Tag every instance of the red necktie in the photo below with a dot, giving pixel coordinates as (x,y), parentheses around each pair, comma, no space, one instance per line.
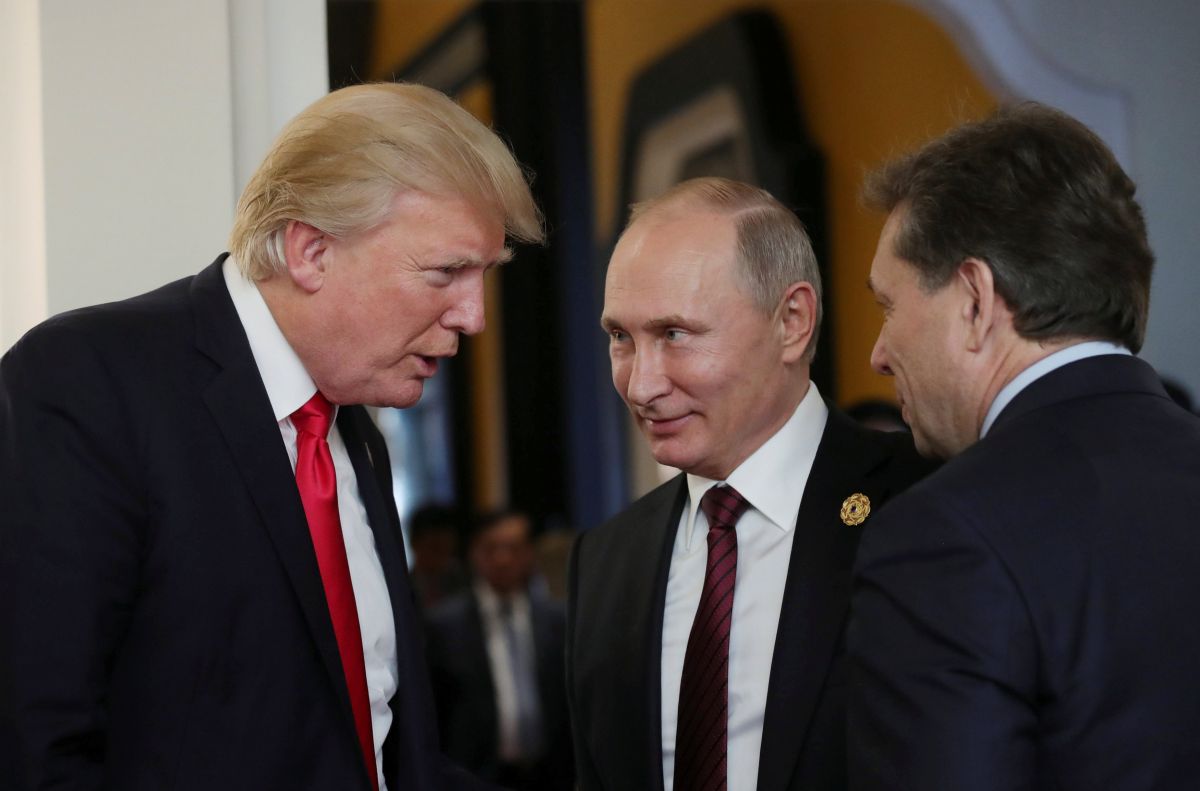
(701,737)
(317,482)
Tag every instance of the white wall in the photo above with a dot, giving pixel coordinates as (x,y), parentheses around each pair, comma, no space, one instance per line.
(138,152)
(152,115)
(1150,51)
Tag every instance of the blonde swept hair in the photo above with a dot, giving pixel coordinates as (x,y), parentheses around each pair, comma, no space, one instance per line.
(340,162)
(773,247)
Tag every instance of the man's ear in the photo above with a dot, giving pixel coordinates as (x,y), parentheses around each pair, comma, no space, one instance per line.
(982,307)
(305,249)
(797,320)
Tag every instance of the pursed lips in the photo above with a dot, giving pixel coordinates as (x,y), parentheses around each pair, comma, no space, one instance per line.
(658,424)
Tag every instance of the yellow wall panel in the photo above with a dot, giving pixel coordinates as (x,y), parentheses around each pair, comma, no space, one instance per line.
(405,27)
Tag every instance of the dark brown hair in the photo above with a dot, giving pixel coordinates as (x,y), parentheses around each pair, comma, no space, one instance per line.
(1042,200)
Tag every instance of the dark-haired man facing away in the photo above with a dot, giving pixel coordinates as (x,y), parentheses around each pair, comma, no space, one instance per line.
(1026,618)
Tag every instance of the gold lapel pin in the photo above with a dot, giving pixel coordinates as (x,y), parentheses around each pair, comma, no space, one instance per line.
(856,508)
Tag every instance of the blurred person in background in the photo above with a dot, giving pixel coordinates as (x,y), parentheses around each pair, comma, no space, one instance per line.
(437,572)
(496,659)
(552,554)
(878,414)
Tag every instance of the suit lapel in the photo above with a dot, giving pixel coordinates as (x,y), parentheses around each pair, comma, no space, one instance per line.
(816,595)
(372,471)
(237,400)
(381,516)
(640,634)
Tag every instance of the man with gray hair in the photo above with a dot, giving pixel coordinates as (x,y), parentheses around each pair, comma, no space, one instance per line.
(203,583)
(705,622)
(1026,617)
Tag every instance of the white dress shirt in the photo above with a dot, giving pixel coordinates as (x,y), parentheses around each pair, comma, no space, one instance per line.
(504,680)
(1051,362)
(289,387)
(772,479)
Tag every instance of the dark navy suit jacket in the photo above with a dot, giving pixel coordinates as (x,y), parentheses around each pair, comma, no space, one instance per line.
(1029,617)
(162,620)
(618,584)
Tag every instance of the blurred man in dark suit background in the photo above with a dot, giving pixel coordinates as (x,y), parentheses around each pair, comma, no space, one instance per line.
(496,658)
(1026,617)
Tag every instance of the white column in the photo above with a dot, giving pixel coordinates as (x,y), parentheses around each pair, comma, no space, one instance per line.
(22,218)
(134,125)
(280,66)
(139,162)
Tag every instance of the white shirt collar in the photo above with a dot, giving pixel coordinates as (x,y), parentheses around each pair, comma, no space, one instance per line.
(1058,359)
(287,382)
(491,603)
(768,478)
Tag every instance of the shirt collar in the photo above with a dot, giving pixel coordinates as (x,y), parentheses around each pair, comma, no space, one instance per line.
(491,603)
(1050,362)
(768,477)
(287,382)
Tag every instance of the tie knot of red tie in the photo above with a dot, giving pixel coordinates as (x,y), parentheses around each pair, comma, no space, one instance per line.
(315,416)
(723,505)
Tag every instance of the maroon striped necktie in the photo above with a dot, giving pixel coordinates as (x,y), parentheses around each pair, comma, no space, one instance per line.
(701,730)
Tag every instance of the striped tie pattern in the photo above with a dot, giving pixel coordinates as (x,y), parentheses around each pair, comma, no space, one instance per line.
(700,736)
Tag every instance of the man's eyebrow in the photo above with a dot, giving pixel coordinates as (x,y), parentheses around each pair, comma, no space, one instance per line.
(663,322)
(674,320)
(465,263)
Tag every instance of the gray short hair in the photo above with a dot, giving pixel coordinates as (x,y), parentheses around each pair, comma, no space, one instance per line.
(773,247)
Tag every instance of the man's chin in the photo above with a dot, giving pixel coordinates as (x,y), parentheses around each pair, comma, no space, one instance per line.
(669,454)
(410,395)
(407,394)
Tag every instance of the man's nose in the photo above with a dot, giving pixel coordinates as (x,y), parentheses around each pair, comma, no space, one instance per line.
(466,314)
(879,360)
(647,379)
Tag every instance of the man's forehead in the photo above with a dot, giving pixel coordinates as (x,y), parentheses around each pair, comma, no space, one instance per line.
(673,249)
(891,229)
(885,270)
